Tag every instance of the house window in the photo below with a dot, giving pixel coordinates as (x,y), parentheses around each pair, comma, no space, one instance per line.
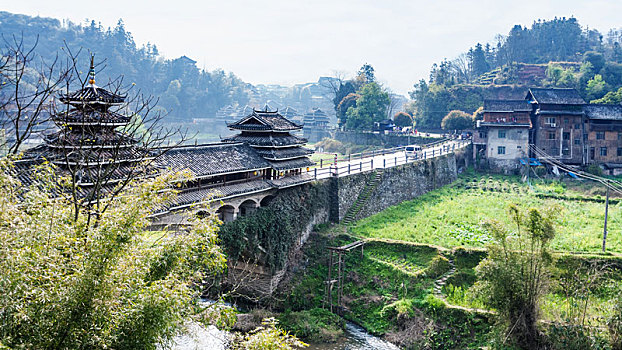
(565,152)
(566,121)
(603,151)
(600,135)
(592,152)
(501,150)
(519,147)
(566,136)
(619,152)
(577,142)
(551,136)
(501,134)
(550,121)
(577,126)
(482,135)
(519,131)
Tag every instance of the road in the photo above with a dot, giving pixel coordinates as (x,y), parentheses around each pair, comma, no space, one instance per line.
(384,159)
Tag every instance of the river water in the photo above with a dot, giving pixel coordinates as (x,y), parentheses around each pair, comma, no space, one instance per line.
(210,338)
(356,339)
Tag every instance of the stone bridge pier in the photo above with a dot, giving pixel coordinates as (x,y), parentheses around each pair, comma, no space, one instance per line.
(227,209)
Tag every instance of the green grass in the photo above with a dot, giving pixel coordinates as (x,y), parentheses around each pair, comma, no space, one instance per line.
(452,215)
(383,288)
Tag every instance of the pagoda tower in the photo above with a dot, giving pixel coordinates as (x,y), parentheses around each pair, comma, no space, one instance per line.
(269,133)
(92,142)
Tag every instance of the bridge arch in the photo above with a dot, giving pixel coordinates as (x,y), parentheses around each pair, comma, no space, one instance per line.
(226,213)
(247,207)
(266,200)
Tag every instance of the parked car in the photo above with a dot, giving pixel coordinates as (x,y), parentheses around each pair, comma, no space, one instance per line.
(413,151)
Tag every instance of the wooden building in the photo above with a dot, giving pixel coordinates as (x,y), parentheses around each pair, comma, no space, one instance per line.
(269,133)
(603,130)
(558,123)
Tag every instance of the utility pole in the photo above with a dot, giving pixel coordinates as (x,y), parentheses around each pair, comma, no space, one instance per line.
(606,213)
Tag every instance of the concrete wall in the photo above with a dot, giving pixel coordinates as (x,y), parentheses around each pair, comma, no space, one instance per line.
(328,200)
(516,143)
(398,184)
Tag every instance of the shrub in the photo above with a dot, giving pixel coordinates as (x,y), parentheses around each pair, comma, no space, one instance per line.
(594,169)
(513,278)
(315,325)
(438,266)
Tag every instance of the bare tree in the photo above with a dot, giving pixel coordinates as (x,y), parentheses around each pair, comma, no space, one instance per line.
(107,136)
(28,81)
(461,70)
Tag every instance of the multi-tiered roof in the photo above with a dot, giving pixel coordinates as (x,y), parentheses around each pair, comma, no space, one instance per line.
(269,133)
(90,133)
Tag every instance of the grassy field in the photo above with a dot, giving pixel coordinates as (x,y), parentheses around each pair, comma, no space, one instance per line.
(452,216)
(388,291)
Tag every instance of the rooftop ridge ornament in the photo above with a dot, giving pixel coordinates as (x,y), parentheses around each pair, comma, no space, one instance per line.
(92,71)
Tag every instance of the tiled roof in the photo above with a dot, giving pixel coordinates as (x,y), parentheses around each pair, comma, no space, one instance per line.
(270,140)
(291,180)
(262,120)
(214,193)
(291,164)
(91,115)
(213,159)
(506,106)
(556,96)
(283,153)
(92,94)
(602,111)
(76,139)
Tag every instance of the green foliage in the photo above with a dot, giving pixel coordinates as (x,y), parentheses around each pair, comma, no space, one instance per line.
(371,107)
(514,276)
(597,60)
(69,283)
(402,119)
(575,337)
(595,169)
(437,267)
(184,90)
(612,97)
(452,215)
(271,232)
(268,337)
(456,120)
(315,325)
(595,88)
(614,324)
(349,101)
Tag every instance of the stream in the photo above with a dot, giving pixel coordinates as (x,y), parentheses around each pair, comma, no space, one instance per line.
(210,338)
(356,338)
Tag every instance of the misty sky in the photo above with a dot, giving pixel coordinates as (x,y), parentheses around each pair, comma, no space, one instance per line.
(292,41)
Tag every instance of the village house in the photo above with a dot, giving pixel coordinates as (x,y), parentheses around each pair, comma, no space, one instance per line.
(558,123)
(503,135)
(554,121)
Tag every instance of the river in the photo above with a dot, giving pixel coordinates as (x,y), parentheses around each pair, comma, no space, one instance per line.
(356,338)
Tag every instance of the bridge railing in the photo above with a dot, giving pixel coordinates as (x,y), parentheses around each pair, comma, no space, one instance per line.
(350,166)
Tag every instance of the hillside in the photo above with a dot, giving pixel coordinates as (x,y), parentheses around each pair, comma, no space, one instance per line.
(553,53)
(185,91)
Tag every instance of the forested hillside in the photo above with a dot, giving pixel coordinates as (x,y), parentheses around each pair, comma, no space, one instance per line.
(550,53)
(184,90)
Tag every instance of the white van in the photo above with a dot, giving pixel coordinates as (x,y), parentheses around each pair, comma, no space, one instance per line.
(413,151)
